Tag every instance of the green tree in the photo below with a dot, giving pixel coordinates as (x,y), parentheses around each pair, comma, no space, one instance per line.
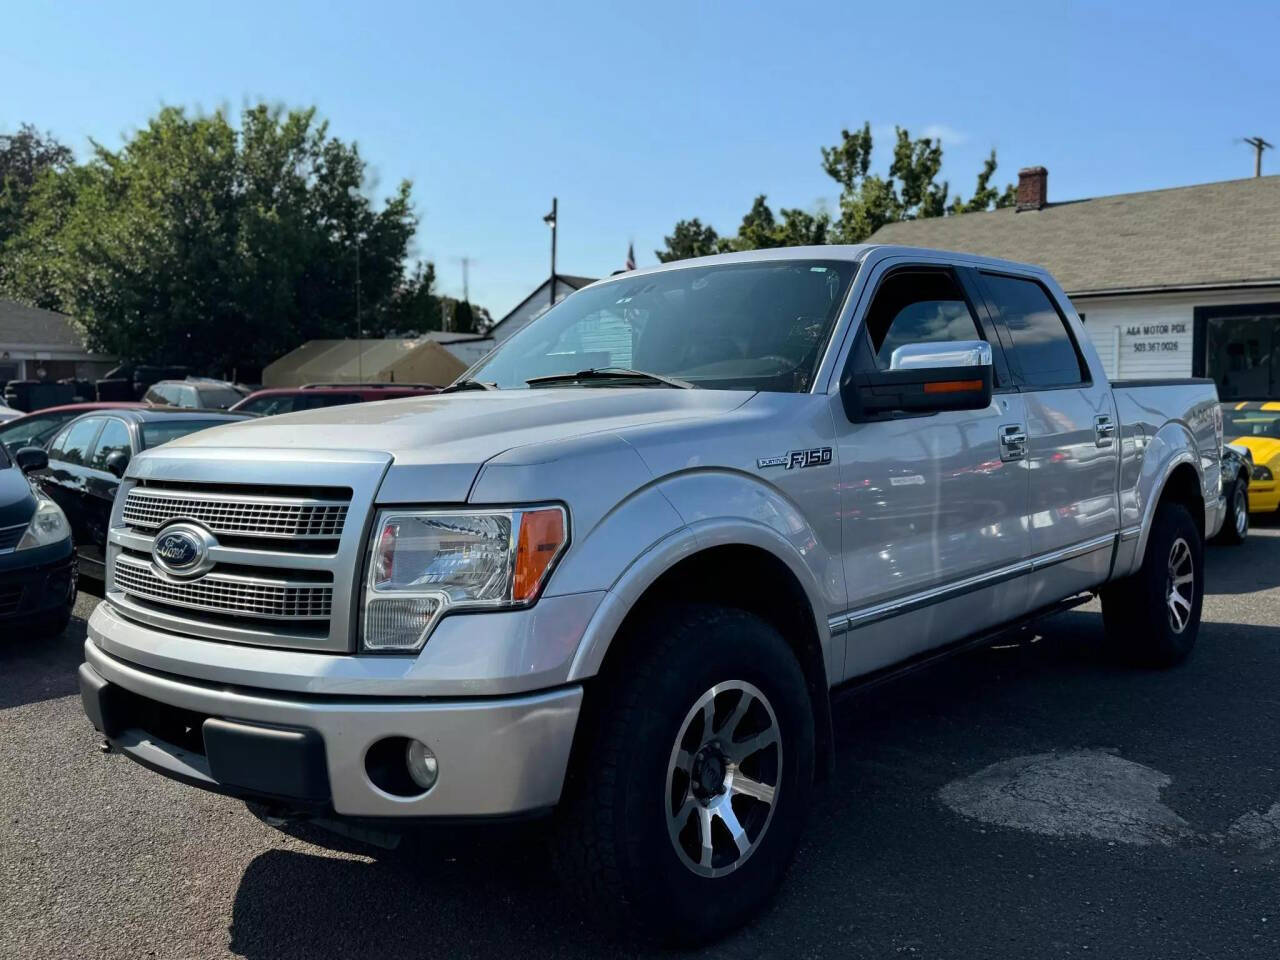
(217,247)
(464,320)
(25,158)
(867,200)
(412,309)
(689,239)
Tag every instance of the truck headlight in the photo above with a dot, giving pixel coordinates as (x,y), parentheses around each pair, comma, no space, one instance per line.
(1262,473)
(425,563)
(48,525)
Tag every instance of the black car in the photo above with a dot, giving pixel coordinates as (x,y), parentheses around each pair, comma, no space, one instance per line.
(1237,470)
(88,457)
(37,563)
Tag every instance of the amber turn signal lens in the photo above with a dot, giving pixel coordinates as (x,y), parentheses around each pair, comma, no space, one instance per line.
(953,386)
(542,537)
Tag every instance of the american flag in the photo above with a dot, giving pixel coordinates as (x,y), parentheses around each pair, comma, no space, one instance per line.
(631,257)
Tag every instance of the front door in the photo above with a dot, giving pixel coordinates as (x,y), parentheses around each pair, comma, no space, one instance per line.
(1073,435)
(933,506)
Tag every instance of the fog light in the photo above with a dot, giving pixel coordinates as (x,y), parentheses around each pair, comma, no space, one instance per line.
(422,764)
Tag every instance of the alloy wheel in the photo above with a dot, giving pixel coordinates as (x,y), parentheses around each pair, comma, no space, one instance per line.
(1180,591)
(723,777)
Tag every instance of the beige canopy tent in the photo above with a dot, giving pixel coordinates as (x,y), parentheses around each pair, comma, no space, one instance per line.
(431,359)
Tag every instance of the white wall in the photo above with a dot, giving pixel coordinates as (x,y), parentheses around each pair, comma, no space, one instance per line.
(1149,336)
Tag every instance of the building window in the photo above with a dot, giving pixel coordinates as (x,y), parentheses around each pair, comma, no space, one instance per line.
(1239,347)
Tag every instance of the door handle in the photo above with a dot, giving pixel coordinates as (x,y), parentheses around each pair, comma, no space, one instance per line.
(1013,442)
(1104,431)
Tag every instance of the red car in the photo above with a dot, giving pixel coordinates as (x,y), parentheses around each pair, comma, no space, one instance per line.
(35,429)
(266,403)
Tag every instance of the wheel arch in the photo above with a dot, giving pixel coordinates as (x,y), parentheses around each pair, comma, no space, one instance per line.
(747,568)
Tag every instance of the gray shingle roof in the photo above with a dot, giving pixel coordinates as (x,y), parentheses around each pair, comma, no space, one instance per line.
(31,325)
(1211,234)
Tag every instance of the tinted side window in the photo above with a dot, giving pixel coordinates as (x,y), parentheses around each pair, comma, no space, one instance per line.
(1042,345)
(918,306)
(113,439)
(72,446)
(158,394)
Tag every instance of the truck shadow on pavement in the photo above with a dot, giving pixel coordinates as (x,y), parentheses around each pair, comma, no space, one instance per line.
(884,867)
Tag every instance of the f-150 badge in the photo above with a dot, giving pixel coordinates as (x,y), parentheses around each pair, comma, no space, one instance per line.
(814,457)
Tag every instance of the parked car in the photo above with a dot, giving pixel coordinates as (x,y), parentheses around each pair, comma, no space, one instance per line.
(1255,425)
(7,412)
(36,429)
(1237,473)
(275,400)
(616,569)
(37,564)
(194,393)
(88,457)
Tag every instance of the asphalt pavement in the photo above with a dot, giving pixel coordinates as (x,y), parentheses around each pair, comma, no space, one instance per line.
(1037,799)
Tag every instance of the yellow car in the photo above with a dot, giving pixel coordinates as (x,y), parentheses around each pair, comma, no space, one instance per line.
(1256,425)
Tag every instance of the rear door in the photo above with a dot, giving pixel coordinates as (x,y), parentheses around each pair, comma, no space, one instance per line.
(933,513)
(1072,439)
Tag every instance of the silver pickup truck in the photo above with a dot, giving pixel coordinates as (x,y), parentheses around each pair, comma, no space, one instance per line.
(615,573)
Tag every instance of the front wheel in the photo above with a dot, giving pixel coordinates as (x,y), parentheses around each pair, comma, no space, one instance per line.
(686,806)
(1153,616)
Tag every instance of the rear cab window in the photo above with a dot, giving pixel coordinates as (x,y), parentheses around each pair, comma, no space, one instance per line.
(1044,353)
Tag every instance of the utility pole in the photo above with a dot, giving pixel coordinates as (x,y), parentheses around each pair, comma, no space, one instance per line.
(1258,145)
(550,220)
(466,290)
(359,320)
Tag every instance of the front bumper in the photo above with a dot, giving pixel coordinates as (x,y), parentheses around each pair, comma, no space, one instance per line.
(36,582)
(497,756)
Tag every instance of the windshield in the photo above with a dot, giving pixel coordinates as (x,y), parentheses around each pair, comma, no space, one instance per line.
(162,431)
(1253,422)
(741,326)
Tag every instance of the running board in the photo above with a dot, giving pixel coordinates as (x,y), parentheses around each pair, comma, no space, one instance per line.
(870,681)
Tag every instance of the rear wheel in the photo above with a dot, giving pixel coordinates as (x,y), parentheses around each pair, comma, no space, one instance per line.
(1154,616)
(1235,526)
(685,808)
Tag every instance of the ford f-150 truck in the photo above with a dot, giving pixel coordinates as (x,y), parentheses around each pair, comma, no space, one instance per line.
(614,573)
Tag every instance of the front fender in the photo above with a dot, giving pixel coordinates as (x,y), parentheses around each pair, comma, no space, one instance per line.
(722,508)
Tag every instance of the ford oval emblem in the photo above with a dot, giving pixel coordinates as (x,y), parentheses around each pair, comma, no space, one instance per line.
(182,550)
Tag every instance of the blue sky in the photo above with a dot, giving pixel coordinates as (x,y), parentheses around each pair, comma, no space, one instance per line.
(640,114)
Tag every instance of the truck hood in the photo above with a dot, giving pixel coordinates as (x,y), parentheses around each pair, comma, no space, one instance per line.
(458,432)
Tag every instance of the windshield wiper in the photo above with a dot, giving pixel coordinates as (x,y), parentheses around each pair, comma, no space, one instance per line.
(469,385)
(611,373)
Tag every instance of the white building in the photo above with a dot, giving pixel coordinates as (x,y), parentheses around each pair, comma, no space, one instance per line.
(1170,283)
(536,304)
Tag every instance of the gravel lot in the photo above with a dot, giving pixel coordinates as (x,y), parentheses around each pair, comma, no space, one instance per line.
(1033,800)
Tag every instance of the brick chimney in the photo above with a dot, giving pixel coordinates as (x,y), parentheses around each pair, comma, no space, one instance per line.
(1033,188)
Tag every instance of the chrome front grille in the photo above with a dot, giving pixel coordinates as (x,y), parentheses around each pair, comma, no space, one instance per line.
(284,546)
(255,596)
(149,509)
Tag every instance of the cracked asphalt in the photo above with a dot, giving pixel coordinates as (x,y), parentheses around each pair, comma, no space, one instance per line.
(904,855)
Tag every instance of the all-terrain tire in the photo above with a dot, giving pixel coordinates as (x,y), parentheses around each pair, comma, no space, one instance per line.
(1143,619)
(648,756)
